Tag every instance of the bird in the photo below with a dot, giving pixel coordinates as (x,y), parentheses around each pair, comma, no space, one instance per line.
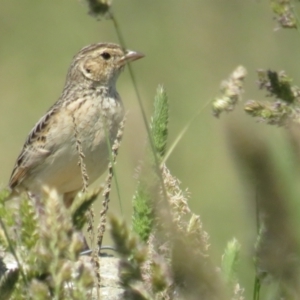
(87,114)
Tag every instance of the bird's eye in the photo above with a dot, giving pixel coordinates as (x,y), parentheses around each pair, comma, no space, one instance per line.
(106,55)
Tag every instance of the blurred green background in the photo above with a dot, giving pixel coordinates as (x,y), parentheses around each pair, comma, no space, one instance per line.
(190,46)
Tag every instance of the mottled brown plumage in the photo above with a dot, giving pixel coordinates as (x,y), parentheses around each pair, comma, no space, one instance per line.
(89,105)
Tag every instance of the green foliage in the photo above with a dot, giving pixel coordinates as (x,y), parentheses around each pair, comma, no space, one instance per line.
(278,84)
(285,106)
(271,113)
(80,207)
(176,256)
(230,260)
(8,282)
(159,121)
(285,15)
(142,218)
(128,247)
(8,215)
(28,227)
(44,245)
(141,278)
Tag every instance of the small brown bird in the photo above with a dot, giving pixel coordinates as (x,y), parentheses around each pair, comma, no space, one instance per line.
(88,111)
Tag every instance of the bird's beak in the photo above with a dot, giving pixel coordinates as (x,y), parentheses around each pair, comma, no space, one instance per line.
(130,56)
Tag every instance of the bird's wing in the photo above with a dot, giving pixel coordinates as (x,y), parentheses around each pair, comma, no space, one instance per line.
(34,150)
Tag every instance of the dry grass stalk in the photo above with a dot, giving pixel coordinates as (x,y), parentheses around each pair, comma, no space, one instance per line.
(85,180)
(102,224)
(176,246)
(176,197)
(231,92)
(238,292)
(90,225)
(106,193)
(182,216)
(81,164)
(154,269)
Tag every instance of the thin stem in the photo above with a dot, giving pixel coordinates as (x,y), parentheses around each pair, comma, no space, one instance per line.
(112,160)
(257,210)
(256,290)
(122,42)
(156,161)
(257,282)
(183,131)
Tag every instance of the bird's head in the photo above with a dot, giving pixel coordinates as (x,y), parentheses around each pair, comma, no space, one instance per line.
(101,63)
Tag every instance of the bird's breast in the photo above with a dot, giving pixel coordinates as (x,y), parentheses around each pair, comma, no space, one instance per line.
(96,122)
